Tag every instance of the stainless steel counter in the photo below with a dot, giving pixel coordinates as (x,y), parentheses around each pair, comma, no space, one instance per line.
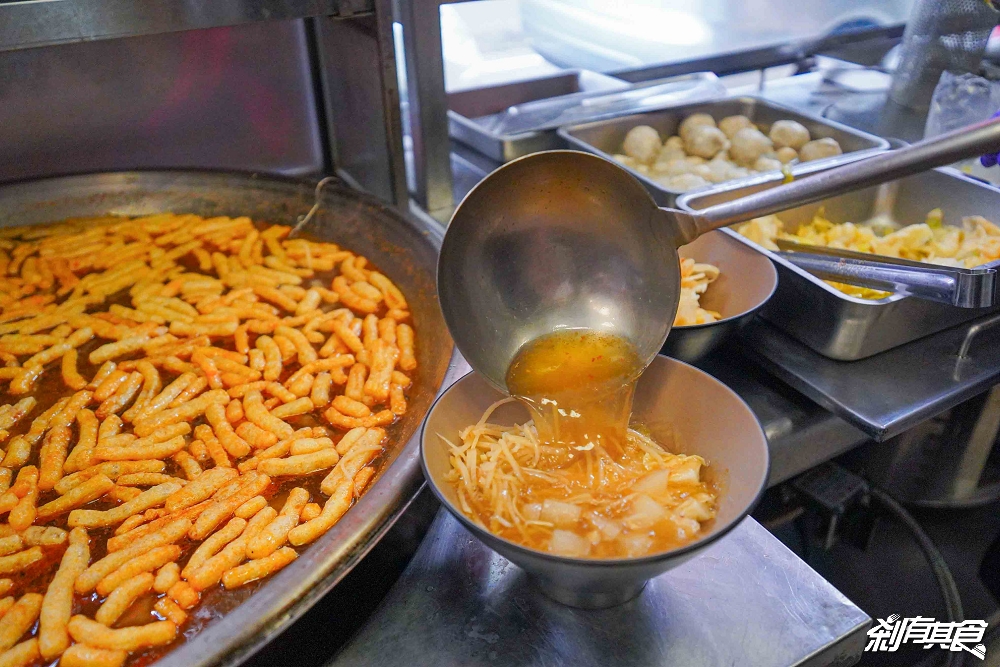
(746,601)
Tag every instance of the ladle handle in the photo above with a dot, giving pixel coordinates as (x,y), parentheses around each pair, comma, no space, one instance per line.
(947,148)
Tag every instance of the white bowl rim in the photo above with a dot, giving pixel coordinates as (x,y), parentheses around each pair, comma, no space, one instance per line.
(651,559)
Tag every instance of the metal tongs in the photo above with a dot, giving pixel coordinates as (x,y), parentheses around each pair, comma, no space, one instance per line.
(965,288)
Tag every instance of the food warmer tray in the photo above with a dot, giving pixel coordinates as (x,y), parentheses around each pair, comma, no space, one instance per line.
(843,327)
(469,111)
(242,621)
(605,137)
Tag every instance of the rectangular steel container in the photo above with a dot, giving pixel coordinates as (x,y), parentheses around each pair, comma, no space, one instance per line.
(466,107)
(605,137)
(843,327)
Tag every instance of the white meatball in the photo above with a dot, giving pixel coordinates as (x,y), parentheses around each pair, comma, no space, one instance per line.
(668,153)
(718,170)
(818,149)
(705,141)
(786,154)
(748,145)
(694,121)
(629,162)
(738,172)
(672,167)
(642,143)
(730,125)
(789,133)
(674,142)
(685,182)
(766,163)
(705,171)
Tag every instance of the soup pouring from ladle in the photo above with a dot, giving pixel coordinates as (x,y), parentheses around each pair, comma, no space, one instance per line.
(568,240)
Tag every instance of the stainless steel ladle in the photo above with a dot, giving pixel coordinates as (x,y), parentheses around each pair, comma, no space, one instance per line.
(564,239)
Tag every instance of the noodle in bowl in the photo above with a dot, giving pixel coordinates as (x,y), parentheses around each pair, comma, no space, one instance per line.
(678,406)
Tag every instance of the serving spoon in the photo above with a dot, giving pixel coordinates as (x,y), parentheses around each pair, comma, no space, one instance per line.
(569,240)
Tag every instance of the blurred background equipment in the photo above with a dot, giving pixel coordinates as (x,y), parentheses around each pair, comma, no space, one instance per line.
(941,35)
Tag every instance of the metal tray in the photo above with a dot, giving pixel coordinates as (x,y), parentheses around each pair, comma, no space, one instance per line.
(240,622)
(605,137)
(473,114)
(466,107)
(843,327)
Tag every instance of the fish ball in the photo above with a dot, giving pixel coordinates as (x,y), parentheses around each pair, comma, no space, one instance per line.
(674,142)
(738,172)
(767,163)
(705,141)
(685,182)
(718,171)
(668,153)
(818,149)
(786,154)
(789,133)
(642,143)
(730,125)
(695,121)
(673,167)
(705,171)
(749,144)
(629,162)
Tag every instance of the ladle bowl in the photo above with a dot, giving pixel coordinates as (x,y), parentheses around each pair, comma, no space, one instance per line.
(558,251)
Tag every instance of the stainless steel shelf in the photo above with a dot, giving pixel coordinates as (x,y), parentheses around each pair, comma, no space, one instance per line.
(746,601)
(32,23)
(888,393)
(800,433)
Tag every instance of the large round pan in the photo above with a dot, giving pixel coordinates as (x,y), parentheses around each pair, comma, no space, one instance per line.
(747,279)
(230,627)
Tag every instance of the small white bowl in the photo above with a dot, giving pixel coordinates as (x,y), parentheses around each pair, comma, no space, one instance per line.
(676,403)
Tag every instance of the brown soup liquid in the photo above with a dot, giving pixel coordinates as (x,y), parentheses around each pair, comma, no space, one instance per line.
(578,385)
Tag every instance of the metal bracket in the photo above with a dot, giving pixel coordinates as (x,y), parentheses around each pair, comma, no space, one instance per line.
(975,330)
(305,219)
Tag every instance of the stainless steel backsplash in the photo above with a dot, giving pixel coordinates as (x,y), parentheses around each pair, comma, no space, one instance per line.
(224,98)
